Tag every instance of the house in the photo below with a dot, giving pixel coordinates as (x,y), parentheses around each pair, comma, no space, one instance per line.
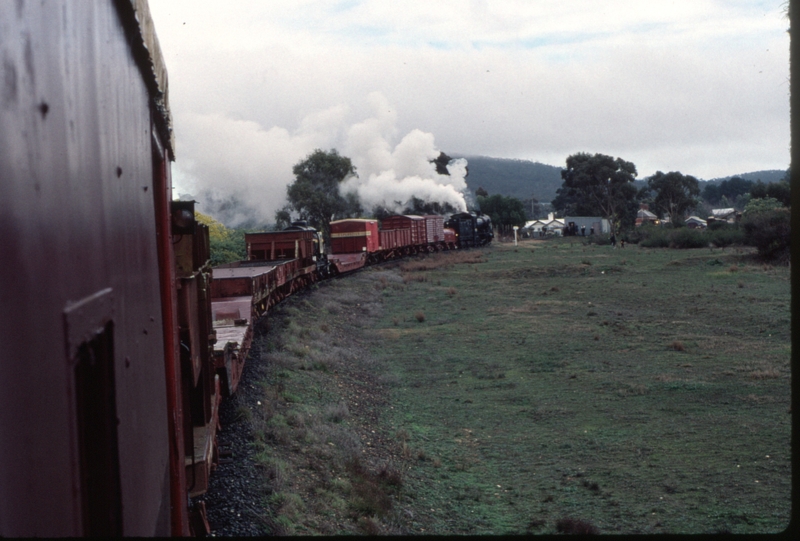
(693,222)
(645,216)
(542,227)
(724,215)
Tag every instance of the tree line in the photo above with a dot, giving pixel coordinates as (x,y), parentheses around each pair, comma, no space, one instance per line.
(592,185)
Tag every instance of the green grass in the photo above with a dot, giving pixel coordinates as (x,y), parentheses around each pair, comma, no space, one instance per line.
(501,390)
(557,369)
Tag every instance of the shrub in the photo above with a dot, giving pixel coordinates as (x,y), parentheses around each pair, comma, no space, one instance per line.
(687,238)
(769,232)
(725,236)
(644,231)
(652,237)
(598,239)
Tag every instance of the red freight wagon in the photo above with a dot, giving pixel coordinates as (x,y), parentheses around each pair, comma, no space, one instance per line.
(415,223)
(233,280)
(434,227)
(395,238)
(353,236)
(282,245)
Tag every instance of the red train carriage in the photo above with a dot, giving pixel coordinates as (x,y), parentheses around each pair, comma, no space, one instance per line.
(102,412)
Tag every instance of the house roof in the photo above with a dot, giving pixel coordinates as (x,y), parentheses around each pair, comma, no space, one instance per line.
(557,222)
(696,219)
(646,214)
(721,213)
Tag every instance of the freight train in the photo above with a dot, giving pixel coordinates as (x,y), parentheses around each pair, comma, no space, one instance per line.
(119,340)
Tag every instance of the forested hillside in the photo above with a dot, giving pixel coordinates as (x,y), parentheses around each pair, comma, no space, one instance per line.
(772,175)
(522,179)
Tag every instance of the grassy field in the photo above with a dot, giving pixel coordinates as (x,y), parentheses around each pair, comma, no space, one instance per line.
(523,389)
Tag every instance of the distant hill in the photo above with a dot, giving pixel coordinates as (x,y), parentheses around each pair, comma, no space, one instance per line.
(518,178)
(523,178)
(770,175)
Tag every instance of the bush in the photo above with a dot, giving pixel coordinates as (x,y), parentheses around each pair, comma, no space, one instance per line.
(769,232)
(653,237)
(726,236)
(687,238)
(598,239)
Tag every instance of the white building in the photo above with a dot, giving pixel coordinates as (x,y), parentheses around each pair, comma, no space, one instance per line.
(540,228)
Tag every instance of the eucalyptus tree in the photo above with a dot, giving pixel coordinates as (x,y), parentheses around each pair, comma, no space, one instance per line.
(675,194)
(598,185)
(315,194)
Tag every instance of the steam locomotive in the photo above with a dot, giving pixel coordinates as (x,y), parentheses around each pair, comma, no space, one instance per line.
(119,338)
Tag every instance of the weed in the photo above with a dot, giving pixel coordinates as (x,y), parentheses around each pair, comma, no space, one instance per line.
(391,476)
(769,373)
(369,526)
(451,292)
(243,413)
(420,316)
(569,525)
(677,345)
(594,487)
(371,493)
(336,413)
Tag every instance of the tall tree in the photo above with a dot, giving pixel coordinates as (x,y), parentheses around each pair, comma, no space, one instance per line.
(598,185)
(314,194)
(782,191)
(729,188)
(505,212)
(675,193)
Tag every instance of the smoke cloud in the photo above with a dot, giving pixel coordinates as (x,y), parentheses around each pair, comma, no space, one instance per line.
(390,177)
(239,170)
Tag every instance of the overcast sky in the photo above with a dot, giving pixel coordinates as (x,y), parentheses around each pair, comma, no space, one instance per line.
(696,86)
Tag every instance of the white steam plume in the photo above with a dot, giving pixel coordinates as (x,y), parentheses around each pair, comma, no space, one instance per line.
(239,171)
(391,177)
